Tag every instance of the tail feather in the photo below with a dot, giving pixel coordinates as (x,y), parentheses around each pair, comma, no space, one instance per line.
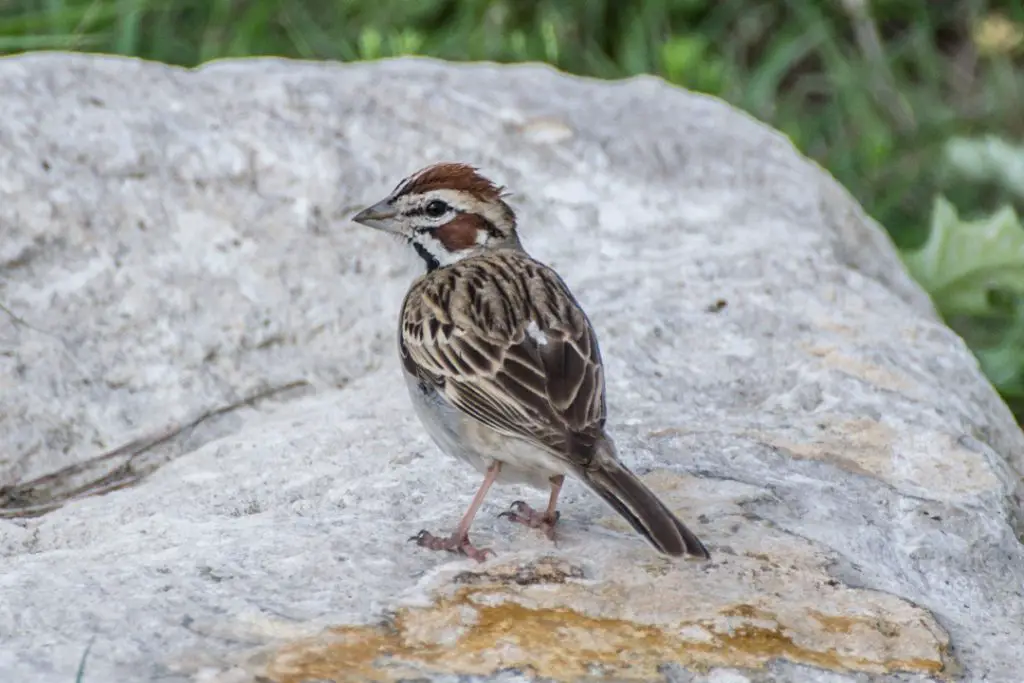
(644,511)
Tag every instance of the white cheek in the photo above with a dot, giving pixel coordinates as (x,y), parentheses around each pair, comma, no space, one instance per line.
(482,237)
(437,250)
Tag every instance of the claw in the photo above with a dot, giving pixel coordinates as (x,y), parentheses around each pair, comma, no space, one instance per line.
(516,509)
(453,544)
(521,513)
(478,554)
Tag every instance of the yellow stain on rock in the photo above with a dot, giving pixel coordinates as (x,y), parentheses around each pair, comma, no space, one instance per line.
(883,378)
(546,130)
(561,644)
(860,446)
(916,461)
(765,595)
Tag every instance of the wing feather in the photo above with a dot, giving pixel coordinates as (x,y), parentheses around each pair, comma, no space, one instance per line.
(505,341)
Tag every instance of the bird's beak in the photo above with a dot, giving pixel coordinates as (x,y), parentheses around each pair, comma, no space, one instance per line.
(380,216)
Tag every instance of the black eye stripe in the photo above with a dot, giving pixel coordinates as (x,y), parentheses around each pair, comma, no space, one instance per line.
(422,211)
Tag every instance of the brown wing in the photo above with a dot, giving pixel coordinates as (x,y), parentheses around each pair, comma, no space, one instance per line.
(505,341)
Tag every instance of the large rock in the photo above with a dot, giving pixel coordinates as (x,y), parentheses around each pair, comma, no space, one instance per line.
(173,242)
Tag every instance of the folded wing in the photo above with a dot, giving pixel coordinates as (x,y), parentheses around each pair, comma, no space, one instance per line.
(521,358)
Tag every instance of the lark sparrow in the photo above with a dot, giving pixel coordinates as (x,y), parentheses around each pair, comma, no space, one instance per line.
(501,363)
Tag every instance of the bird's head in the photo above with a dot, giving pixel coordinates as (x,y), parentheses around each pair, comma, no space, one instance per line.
(446,212)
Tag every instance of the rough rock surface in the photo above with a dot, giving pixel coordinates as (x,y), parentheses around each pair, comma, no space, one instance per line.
(172,242)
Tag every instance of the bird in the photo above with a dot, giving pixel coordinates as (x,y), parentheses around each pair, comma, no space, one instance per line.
(501,363)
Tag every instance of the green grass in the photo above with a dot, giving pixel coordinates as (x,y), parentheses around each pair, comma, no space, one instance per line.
(80,674)
(875,91)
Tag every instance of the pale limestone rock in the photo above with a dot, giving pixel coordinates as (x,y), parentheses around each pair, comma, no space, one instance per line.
(174,241)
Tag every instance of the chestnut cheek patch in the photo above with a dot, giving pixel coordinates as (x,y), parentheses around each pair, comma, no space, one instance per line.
(461,232)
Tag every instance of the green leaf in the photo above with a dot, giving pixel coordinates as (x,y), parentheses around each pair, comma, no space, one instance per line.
(681,55)
(549,35)
(965,264)
(987,159)
(370,43)
(1004,367)
(688,60)
(1003,363)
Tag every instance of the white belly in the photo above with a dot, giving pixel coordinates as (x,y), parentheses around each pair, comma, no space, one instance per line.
(471,441)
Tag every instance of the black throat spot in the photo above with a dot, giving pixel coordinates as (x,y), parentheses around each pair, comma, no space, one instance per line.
(428,258)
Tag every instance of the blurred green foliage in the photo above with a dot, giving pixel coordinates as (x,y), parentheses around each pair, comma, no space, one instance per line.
(902,100)
(974,272)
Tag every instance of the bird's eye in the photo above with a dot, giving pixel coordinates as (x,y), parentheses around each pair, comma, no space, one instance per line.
(436,208)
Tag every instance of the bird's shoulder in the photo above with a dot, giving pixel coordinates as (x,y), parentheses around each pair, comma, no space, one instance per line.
(496,295)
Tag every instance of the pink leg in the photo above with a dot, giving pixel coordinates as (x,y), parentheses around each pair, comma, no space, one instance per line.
(458,542)
(521,513)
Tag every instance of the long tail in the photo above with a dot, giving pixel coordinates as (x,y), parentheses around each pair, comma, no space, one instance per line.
(645,512)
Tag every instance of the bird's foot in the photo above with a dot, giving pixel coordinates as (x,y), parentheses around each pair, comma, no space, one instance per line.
(521,513)
(456,543)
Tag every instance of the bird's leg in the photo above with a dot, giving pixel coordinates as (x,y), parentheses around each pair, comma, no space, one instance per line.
(458,542)
(522,513)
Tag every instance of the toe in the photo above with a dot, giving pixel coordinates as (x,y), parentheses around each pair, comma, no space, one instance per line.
(478,554)
(425,539)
